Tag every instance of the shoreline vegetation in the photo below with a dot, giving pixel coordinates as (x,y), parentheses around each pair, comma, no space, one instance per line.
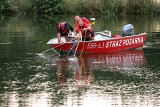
(98,7)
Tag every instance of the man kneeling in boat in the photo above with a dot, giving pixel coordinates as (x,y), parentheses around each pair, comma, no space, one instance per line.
(85,31)
(63,30)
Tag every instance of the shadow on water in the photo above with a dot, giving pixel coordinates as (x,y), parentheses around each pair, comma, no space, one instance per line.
(152,49)
(153,40)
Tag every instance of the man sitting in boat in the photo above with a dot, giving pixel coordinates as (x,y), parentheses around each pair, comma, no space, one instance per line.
(77,18)
(63,30)
(85,31)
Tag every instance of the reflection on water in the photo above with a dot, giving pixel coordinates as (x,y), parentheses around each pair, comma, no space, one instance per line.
(126,62)
(31,75)
(116,79)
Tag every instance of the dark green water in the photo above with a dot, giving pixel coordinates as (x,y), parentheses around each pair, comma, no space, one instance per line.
(30,78)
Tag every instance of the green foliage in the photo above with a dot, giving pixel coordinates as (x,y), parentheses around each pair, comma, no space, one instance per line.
(139,6)
(4,6)
(47,6)
(21,6)
(74,6)
(109,7)
(80,7)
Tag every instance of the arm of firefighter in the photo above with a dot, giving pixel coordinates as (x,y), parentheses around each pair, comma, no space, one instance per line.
(88,28)
(59,38)
(80,35)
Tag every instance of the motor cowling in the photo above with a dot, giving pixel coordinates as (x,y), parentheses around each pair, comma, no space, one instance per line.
(128,30)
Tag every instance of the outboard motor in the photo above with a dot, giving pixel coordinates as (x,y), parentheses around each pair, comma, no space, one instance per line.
(128,30)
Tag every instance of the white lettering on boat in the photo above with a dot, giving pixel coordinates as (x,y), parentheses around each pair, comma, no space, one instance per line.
(96,45)
(115,43)
(132,41)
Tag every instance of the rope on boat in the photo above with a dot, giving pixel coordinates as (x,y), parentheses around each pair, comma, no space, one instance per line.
(53,49)
(56,51)
(102,34)
(74,46)
(59,50)
(70,49)
(83,44)
(82,49)
(77,47)
(46,50)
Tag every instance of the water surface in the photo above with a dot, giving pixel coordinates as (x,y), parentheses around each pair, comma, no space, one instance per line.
(31,76)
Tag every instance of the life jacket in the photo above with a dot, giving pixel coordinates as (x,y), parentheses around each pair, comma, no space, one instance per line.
(116,36)
(85,20)
(62,28)
(88,33)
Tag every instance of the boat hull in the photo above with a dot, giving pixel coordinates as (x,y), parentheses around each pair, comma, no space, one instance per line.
(103,46)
